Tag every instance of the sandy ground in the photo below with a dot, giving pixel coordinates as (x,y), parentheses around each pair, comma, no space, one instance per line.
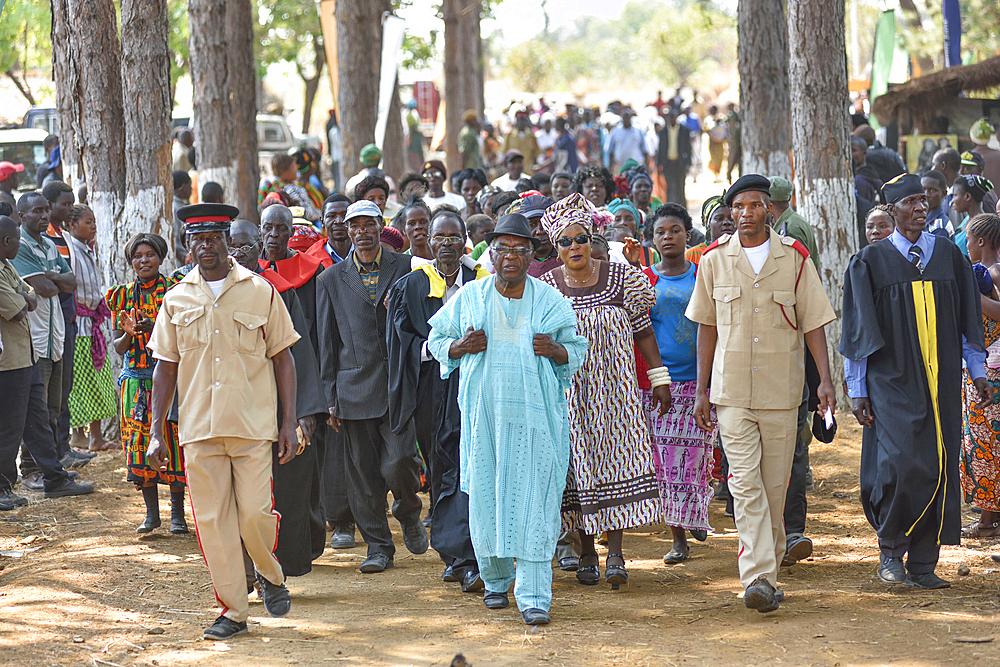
(95,593)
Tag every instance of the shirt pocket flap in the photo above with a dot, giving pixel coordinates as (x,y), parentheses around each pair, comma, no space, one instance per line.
(784,297)
(726,293)
(250,320)
(183,318)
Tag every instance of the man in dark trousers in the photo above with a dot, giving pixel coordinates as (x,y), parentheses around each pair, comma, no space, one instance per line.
(674,157)
(351,319)
(418,395)
(912,315)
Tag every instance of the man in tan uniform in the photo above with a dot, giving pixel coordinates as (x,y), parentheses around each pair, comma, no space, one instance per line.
(757,300)
(223,339)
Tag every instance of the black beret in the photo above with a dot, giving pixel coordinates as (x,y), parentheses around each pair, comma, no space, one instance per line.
(748,183)
(207,217)
(901,187)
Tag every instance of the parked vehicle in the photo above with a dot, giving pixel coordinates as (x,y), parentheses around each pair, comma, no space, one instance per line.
(44,118)
(23,146)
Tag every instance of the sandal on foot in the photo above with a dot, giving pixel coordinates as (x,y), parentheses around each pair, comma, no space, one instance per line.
(616,575)
(589,575)
(980,530)
(675,556)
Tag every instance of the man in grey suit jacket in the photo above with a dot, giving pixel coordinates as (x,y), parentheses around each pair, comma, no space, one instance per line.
(351,321)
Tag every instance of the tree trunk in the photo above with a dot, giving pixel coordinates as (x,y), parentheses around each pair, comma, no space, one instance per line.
(762,50)
(243,107)
(359,33)
(820,134)
(65,71)
(94,38)
(394,151)
(461,89)
(312,83)
(146,95)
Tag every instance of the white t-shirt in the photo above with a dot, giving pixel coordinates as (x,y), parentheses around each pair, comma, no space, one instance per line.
(450,198)
(758,255)
(215,286)
(506,183)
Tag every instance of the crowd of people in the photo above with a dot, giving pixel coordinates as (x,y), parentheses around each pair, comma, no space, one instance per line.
(544,343)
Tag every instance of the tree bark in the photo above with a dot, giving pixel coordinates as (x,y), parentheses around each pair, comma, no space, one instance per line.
(394,151)
(359,49)
(762,50)
(461,89)
(312,83)
(820,135)
(243,107)
(146,95)
(94,37)
(65,71)
(21,85)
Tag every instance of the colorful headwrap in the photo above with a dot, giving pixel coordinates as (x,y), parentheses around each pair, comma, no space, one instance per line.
(485,193)
(618,204)
(573,210)
(602,220)
(636,174)
(304,236)
(627,165)
(622,187)
(304,160)
(709,207)
(370,155)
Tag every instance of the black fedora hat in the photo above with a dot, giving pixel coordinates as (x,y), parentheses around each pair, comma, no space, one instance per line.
(513,224)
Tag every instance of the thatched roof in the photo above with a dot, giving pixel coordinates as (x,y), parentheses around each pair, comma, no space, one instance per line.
(934,90)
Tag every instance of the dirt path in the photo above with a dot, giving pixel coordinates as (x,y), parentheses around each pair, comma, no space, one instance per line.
(94,593)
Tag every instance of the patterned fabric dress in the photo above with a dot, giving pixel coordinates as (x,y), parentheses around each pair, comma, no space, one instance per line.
(981,437)
(682,452)
(612,481)
(136,384)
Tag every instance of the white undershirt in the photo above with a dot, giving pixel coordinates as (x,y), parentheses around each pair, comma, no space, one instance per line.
(215,286)
(758,255)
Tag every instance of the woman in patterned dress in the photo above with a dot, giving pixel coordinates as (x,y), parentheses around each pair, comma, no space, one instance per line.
(682,452)
(980,463)
(134,308)
(611,484)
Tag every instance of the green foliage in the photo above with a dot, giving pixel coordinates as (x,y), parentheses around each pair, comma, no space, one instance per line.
(681,41)
(177,40)
(290,31)
(25,27)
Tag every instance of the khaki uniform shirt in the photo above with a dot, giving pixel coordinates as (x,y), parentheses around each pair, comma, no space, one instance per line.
(223,347)
(16,336)
(759,357)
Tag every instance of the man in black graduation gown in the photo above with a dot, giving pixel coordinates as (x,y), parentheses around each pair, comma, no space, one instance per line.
(302,533)
(301,270)
(911,315)
(417,392)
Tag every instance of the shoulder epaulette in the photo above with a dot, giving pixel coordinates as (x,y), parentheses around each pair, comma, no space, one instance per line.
(802,250)
(716,243)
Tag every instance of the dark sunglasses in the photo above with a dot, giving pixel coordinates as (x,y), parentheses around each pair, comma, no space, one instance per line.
(582,239)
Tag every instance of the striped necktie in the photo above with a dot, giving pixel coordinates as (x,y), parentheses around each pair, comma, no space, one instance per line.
(915,259)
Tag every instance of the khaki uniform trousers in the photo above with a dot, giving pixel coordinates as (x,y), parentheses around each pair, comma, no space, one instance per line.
(760,446)
(229,481)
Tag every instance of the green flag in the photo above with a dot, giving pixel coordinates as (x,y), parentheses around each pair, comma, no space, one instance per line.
(889,60)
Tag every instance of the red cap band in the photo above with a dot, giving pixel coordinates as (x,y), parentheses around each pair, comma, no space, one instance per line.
(208,218)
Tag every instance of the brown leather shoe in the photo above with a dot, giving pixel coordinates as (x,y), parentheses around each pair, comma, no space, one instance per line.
(760,595)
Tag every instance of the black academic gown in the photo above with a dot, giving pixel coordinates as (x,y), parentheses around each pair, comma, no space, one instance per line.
(902,481)
(296,489)
(416,386)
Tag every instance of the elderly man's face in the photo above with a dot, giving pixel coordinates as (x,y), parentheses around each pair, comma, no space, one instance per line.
(511,257)
(910,213)
(275,232)
(245,248)
(364,231)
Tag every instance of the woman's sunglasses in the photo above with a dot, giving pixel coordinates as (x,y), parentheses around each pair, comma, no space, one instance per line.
(582,239)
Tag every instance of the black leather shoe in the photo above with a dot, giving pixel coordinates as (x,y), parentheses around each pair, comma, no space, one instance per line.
(415,538)
(928,582)
(376,562)
(494,600)
(343,536)
(797,548)
(148,526)
(760,596)
(569,564)
(535,617)
(9,500)
(277,599)
(70,488)
(472,582)
(449,575)
(224,628)
(33,482)
(700,534)
(891,570)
